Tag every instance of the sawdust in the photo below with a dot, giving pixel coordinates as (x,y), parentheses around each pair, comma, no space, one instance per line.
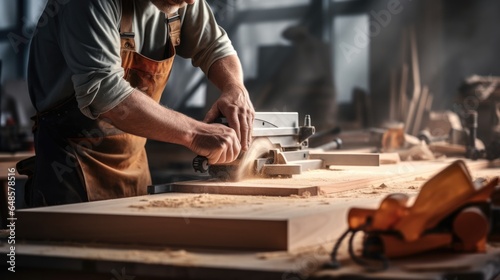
(372,192)
(246,169)
(382,186)
(211,201)
(305,194)
(419,152)
(307,260)
(199,201)
(319,250)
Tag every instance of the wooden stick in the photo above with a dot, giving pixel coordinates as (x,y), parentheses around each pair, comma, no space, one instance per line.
(403,97)
(409,123)
(393,97)
(419,114)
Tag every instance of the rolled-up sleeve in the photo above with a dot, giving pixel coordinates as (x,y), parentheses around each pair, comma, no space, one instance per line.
(202,39)
(90,43)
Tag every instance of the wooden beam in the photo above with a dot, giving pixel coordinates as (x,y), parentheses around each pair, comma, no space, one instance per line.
(409,123)
(393,99)
(419,113)
(346,159)
(247,187)
(220,222)
(403,97)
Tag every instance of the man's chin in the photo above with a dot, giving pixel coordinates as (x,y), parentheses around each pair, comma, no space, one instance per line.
(167,8)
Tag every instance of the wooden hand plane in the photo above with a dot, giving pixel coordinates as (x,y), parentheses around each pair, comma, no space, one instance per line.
(451,212)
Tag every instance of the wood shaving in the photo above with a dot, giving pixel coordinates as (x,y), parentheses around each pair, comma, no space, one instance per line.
(383,186)
(305,194)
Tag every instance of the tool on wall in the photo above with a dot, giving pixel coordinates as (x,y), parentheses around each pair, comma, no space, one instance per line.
(451,211)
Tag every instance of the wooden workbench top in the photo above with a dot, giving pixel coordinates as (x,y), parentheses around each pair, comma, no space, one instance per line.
(299,263)
(305,263)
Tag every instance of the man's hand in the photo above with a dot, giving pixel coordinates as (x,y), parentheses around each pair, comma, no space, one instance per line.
(234,102)
(217,142)
(235,105)
(140,115)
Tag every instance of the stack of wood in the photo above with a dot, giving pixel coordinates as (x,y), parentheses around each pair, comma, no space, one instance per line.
(409,105)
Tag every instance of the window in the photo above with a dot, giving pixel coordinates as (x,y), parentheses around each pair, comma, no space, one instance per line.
(351,54)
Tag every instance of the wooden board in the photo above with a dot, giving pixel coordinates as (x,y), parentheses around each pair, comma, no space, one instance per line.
(15,157)
(350,159)
(152,263)
(327,181)
(246,187)
(142,261)
(221,221)
(217,221)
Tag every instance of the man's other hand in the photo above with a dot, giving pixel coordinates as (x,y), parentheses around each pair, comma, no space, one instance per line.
(217,142)
(235,105)
(234,102)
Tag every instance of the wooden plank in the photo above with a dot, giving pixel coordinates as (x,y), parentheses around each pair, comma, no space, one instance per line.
(14,157)
(247,187)
(404,171)
(393,100)
(330,181)
(409,123)
(346,159)
(177,220)
(195,259)
(5,165)
(420,110)
(403,95)
(219,221)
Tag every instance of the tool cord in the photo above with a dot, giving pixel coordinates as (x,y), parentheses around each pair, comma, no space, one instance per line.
(379,263)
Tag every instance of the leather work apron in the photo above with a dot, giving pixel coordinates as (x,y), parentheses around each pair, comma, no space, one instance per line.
(79,159)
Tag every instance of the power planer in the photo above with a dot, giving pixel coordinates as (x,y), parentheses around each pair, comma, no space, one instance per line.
(280,148)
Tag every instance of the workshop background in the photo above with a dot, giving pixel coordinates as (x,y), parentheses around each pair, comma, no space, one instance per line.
(347,63)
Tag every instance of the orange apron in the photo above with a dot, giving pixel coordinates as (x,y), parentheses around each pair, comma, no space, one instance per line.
(79,159)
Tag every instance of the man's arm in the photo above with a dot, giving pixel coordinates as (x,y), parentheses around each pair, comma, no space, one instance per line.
(140,115)
(234,102)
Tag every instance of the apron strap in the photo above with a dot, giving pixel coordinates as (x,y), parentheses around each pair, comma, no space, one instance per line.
(126,24)
(174,26)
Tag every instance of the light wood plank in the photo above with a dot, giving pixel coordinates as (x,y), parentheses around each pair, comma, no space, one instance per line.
(246,187)
(261,223)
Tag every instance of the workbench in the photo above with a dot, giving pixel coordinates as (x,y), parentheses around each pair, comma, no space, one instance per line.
(9,161)
(44,259)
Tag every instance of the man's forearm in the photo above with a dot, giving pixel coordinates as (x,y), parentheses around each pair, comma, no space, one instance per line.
(226,72)
(138,114)
(234,102)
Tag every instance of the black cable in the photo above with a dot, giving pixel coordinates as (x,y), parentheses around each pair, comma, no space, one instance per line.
(334,263)
(367,264)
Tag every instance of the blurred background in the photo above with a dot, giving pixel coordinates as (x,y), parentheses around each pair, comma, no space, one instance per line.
(350,64)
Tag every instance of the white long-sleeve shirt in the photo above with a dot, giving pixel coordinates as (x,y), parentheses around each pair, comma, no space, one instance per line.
(76,51)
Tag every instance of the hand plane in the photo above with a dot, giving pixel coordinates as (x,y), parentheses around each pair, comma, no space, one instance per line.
(280,148)
(277,140)
(450,212)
